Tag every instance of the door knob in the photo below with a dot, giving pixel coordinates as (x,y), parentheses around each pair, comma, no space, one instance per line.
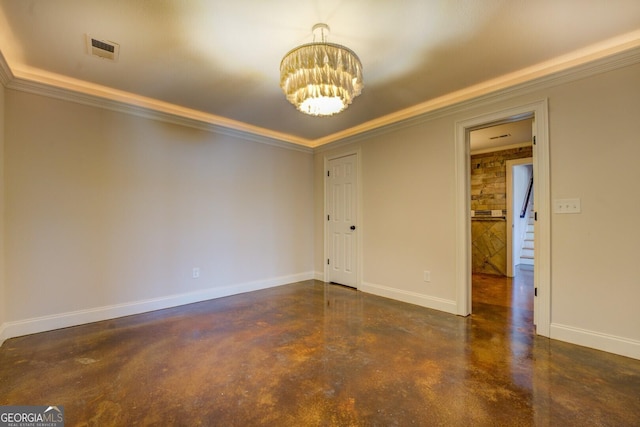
(353,227)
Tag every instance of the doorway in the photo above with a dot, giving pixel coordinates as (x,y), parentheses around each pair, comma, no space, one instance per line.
(494,149)
(501,236)
(520,215)
(539,112)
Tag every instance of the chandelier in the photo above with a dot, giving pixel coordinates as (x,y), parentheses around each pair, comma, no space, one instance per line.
(320,78)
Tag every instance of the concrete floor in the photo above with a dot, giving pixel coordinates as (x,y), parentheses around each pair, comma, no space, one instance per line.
(314,354)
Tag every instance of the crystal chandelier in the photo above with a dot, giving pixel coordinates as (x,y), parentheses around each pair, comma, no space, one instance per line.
(320,78)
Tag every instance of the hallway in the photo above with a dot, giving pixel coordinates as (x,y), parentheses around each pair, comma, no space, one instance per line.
(314,354)
(509,300)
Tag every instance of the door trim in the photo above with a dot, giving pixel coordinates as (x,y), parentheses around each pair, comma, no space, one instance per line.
(360,224)
(542,244)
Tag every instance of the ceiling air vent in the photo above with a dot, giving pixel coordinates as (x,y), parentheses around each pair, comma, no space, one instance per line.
(101,48)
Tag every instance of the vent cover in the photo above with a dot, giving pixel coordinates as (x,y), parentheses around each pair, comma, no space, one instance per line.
(101,48)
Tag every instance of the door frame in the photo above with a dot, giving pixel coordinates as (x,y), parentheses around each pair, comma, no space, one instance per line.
(359,222)
(542,236)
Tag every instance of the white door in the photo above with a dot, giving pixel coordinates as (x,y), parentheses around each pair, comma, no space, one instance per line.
(342,211)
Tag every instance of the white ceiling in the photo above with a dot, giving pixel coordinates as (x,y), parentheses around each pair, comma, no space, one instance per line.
(219,60)
(501,136)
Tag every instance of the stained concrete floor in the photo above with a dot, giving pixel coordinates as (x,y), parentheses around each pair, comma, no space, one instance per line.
(314,354)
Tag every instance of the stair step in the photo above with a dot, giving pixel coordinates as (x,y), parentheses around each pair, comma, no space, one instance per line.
(527,253)
(527,249)
(527,261)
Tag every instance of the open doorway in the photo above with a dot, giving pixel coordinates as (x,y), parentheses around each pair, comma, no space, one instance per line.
(520,216)
(499,179)
(542,268)
(502,228)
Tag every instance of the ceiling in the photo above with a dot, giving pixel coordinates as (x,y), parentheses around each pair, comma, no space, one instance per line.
(501,136)
(218,61)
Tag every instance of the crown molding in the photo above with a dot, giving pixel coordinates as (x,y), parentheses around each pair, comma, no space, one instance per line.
(5,72)
(60,87)
(480,95)
(605,56)
(602,57)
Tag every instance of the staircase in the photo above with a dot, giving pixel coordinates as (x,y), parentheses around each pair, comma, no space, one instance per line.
(526,254)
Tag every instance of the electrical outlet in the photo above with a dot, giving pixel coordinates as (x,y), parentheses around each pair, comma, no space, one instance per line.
(196,272)
(427,276)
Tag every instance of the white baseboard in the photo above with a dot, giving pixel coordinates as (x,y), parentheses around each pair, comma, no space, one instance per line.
(599,341)
(3,337)
(319,275)
(422,300)
(80,317)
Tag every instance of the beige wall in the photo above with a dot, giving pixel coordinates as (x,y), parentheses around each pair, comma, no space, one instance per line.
(594,156)
(409,209)
(407,226)
(105,209)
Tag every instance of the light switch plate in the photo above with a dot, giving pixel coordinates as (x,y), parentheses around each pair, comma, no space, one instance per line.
(566,206)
